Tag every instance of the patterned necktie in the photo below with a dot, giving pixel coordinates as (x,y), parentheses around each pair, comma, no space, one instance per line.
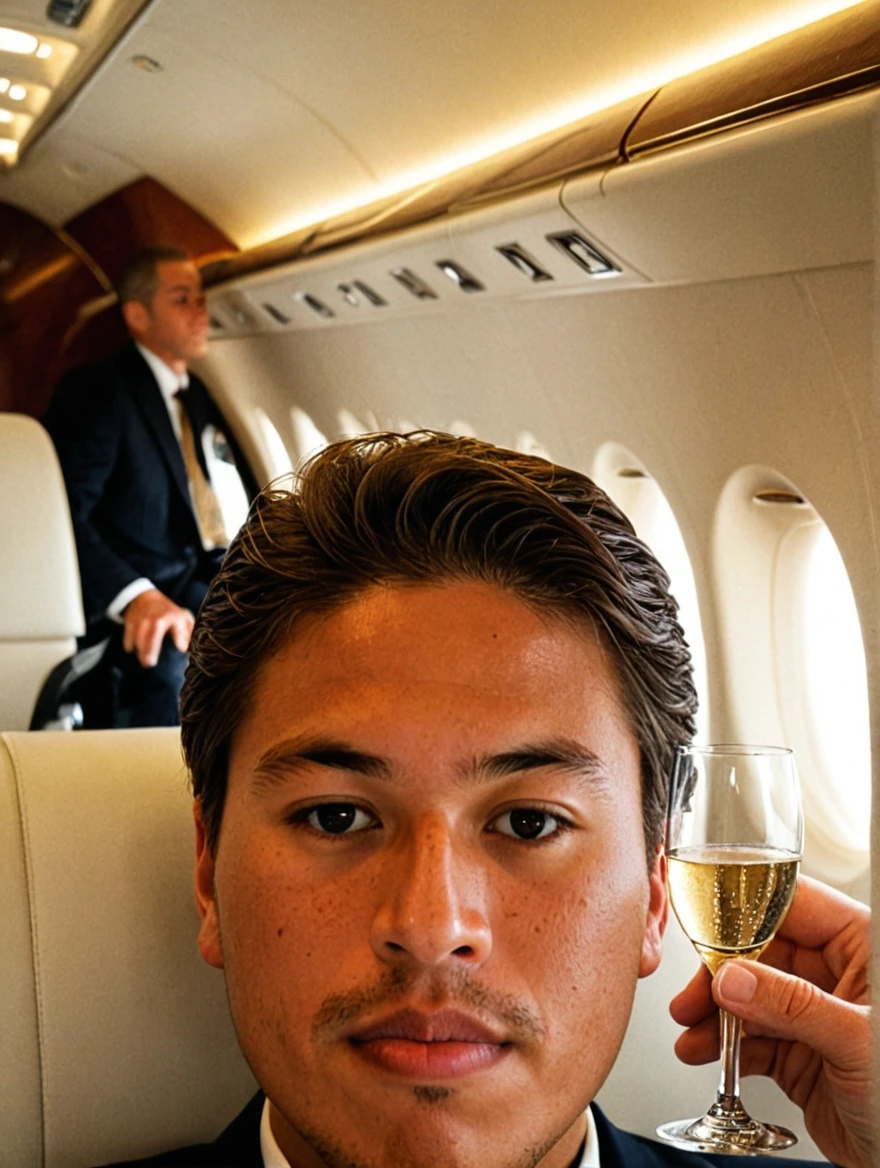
(205,505)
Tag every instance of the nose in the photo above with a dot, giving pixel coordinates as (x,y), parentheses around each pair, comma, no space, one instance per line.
(432,909)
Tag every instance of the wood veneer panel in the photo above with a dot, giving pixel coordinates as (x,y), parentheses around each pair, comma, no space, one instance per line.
(828,59)
(43,283)
(50,282)
(140,215)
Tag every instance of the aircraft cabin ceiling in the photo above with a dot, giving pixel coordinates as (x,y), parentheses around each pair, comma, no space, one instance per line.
(268,115)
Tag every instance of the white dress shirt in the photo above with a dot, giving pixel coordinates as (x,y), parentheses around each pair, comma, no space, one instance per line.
(169,383)
(273,1157)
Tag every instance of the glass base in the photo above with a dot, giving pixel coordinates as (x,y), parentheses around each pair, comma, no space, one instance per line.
(734,1135)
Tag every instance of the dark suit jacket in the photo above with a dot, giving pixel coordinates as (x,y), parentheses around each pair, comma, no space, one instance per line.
(126,481)
(239,1147)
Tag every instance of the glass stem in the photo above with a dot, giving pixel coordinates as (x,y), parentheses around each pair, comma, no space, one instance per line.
(728,1100)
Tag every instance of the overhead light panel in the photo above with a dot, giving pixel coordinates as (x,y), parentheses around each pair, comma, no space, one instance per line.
(459,276)
(585,254)
(12,40)
(348,294)
(370,294)
(67,12)
(17,93)
(4,84)
(44,51)
(8,148)
(6,116)
(413,284)
(524,262)
(276,313)
(316,305)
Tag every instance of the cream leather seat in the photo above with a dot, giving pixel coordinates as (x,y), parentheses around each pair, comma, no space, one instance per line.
(115,1039)
(40,601)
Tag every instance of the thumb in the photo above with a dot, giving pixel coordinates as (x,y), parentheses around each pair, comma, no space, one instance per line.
(779,1005)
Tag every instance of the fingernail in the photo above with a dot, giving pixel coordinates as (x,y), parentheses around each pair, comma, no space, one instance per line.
(736,983)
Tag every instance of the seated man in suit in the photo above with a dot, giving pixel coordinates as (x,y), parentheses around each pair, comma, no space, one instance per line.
(432,700)
(141,446)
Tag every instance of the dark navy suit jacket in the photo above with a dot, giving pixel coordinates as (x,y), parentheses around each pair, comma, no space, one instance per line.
(126,481)
(239,1147)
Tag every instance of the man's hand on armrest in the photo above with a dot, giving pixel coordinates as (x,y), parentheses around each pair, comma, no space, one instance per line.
(806,1018)
(148,618)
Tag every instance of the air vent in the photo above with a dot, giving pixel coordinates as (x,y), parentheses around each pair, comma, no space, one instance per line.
(779,497)
(276,314)
(369,294)
(216,324)
(349,295)
(413,284)
(632,472)
(585,254)
(459,276)
(68,12)
(517,255)
(315,304)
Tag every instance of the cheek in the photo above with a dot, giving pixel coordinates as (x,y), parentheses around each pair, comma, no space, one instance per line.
(578,945)
(286,934)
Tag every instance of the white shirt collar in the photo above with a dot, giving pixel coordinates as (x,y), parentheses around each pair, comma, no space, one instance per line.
(169,381)
(273,1157)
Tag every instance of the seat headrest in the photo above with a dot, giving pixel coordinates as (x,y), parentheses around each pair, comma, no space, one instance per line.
(39,574)
(117,1041)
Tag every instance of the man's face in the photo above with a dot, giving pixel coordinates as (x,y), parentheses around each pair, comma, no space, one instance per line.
(174,325)
(430,894)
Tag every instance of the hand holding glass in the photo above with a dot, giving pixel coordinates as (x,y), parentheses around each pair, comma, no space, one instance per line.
(734,836)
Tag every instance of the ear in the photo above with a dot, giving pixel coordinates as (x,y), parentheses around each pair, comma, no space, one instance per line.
(137,318)
(210,945)
(658,914)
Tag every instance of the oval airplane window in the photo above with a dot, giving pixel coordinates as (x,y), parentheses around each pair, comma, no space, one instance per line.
(826,715)
(351,426)
(275,454)
(307,438)
(794,660)
(639,496)
(527,443)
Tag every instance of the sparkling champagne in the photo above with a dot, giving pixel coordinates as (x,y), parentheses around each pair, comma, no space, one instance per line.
(731,899)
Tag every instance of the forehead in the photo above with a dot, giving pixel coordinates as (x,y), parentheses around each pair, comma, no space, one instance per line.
(171,274)
(408,671)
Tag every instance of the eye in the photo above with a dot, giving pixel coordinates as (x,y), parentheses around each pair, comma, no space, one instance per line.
(336,818)
(528,823)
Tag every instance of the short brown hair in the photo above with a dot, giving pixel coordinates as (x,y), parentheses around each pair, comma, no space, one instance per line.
(140,278)
(427,508)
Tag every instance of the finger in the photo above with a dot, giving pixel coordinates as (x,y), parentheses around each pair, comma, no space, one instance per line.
(809,964)
(782,1006)
(181,631)
(695,1001)
(701,1043)
(151,642)
(819,913)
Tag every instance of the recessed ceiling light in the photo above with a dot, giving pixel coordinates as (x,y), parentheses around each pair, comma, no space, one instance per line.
(17,92)
(4,84)
(14,41)
(8,148)
(6,116)
(44,51)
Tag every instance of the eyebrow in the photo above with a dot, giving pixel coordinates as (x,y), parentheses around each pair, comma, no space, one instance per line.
(282,761)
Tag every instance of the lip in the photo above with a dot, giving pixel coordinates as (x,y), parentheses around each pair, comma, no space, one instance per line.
(442,1045)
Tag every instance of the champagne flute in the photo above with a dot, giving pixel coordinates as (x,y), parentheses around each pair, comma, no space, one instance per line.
(734,836)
